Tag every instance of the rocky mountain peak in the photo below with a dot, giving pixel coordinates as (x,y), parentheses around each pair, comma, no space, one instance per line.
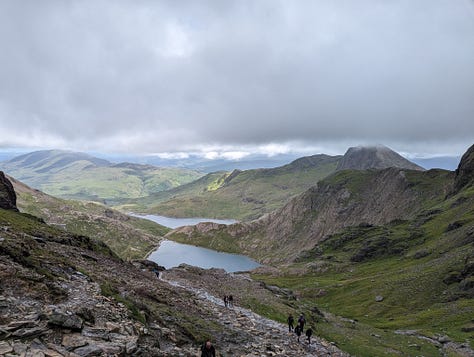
(374,157)
(465,170)
(7,193)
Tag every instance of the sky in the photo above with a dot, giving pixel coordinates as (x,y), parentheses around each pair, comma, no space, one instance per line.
(231,78)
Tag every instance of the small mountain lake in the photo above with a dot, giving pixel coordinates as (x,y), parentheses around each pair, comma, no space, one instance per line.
(171,254)
(179,222)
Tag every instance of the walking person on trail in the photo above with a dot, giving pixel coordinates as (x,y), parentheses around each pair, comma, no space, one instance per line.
(309,332)
(208,350)
(298,332)
(301,322)
(226,300)
(290,320)
(230,299)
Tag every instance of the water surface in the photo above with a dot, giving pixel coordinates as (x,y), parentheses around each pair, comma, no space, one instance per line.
(171,254)
(179,222)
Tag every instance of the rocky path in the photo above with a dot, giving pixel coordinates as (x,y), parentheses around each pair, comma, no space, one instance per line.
(265,337)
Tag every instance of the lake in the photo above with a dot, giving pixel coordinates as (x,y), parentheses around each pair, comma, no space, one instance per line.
(179,222)
(171,254)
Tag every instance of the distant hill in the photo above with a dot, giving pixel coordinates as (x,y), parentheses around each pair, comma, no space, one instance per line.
(375,157)
(81,176)
(250,194)
(238,194)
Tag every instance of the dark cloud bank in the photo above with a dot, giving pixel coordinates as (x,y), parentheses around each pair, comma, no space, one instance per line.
(237,76)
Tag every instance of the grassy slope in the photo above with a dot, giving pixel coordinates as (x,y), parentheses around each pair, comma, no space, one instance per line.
(240,195)
(128,237)
(83,179)
(406,263)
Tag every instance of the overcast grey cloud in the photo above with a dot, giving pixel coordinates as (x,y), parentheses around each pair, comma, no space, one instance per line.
(237,76)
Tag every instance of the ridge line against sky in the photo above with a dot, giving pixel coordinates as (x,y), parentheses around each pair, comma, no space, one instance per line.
(234,78)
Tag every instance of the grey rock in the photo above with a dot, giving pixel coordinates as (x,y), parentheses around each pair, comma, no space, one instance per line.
(444,339)
(29,332)
(131,347)
(5,347)
(7,194)
(75,340)
(94,332)
(15,325)
(72,322)
(378,298)
(89,350)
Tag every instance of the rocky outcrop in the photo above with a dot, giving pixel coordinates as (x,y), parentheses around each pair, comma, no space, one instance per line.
(7,193)
(465,170)
(377,157)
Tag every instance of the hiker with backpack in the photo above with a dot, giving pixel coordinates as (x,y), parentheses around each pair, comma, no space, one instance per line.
(298,332)
(290,320)
(309,333)
(301,322)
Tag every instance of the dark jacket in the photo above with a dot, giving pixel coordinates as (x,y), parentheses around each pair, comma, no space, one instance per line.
(208,352)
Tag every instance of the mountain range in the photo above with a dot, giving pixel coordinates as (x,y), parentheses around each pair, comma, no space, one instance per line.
(391,248)
(250,194)
(381,261)
(81,176)
(176,192)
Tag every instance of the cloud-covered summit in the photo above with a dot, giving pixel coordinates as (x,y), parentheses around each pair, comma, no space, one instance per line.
(167,76)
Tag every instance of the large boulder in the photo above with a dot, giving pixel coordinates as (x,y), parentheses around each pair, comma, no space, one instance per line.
(465,170)
(7,193)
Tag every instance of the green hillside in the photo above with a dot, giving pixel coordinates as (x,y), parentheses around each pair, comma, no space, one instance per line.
(239,194)
(421,270)
(128,237)
(80,176)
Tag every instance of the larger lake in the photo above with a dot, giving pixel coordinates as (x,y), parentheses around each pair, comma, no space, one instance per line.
(179,222)
(171,254)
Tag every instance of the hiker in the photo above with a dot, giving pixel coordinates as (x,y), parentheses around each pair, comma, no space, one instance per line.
(298,332)
(309,332)
(226,301)
(301,322)
(290,320)
(230,299)
(208,350)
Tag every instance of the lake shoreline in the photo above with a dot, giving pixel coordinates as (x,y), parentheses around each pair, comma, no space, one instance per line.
(174,223)
(171,254)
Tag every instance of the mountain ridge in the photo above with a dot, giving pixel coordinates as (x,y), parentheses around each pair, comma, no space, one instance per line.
(374,157)
(249,194)
(343,199)
(68,174)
